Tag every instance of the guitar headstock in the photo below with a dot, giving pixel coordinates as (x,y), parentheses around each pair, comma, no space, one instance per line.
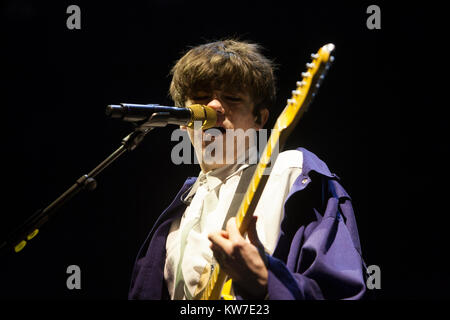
(306,89)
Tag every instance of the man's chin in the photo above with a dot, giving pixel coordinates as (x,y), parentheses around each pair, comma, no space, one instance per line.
(212,159)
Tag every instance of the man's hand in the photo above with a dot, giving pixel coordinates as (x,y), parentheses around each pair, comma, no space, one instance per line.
(243,261)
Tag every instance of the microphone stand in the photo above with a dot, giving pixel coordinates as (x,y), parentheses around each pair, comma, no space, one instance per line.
(29,229)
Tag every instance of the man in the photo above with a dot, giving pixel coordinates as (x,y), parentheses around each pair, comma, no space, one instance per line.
(304,242)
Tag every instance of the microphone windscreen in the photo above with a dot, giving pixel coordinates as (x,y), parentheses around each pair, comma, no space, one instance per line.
(205,114)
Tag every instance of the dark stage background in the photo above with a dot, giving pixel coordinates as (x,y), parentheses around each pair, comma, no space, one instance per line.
(374,122)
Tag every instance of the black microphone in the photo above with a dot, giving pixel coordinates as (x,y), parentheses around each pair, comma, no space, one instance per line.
(172,115)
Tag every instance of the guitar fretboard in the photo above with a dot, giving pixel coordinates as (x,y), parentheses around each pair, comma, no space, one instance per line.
(286,122)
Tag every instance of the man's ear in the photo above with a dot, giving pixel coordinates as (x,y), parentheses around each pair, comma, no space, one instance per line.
(262,117)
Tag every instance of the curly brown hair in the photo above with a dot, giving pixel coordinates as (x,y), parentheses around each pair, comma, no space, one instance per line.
(224,65)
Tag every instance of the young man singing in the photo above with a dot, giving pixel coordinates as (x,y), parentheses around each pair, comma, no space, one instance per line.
(303,241)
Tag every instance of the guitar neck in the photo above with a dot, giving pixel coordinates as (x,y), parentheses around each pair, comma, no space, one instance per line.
(286,122)
(245,213)
(258,182)
(213,288)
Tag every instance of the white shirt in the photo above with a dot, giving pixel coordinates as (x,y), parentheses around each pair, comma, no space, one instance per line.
(211,196)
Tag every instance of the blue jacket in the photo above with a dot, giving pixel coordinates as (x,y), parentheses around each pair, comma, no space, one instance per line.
(318,253)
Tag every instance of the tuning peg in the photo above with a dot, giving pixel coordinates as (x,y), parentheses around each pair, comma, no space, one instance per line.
(314,55)
(329,47)
(310,65)
(306,74)
(291,101)
(295,92)
(300,83)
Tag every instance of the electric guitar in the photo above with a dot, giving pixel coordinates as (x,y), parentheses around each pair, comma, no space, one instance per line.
(302,97)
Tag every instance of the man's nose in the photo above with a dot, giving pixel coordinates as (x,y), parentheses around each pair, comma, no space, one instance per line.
(217,106)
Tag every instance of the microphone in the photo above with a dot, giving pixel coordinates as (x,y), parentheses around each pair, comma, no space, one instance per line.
(172,115)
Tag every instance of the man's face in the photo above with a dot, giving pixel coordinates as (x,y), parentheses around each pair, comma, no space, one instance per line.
(234,111)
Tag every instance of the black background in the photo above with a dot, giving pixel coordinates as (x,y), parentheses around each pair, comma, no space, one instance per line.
(375,122)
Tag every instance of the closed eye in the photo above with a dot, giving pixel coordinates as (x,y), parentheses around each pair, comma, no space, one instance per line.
(199,98)
(233,99)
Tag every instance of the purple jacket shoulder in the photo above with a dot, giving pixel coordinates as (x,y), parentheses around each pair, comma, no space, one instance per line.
(318,253)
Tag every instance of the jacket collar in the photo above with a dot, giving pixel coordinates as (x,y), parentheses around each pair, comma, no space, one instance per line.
(311,162)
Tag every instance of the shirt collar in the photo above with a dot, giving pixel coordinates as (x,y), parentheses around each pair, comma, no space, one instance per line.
(217,177)
(214,178)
